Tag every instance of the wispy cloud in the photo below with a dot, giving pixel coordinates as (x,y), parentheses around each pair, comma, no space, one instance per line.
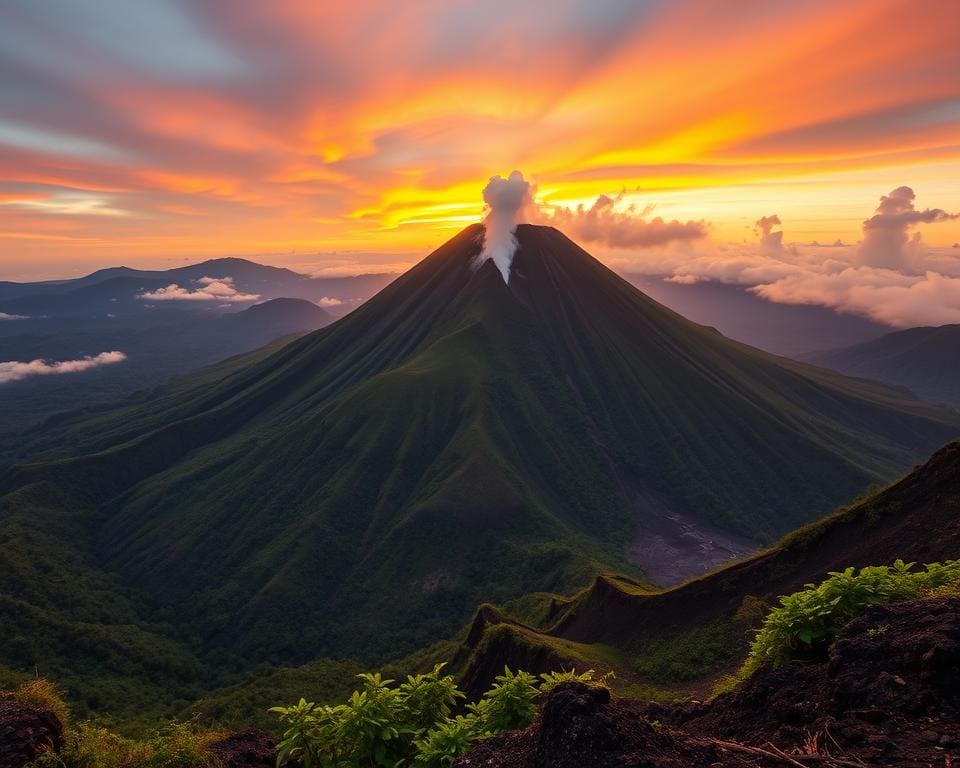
(220,289)
(7,316)
(15,371)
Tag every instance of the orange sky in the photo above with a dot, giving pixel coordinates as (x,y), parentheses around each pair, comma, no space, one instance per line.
(158,131)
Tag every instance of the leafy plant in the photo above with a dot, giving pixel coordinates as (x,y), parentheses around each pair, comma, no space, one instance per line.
(410,724)
(551,680)
(806,623)
(442,744)
(509,704)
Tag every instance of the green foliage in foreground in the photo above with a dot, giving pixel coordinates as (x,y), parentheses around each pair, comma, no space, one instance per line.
(807,622)
(410,724)
(178,745)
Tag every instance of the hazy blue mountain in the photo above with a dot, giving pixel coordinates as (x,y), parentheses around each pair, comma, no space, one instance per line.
(925,360)
(785,329)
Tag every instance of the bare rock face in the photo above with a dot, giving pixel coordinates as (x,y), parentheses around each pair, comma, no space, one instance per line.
(26,731)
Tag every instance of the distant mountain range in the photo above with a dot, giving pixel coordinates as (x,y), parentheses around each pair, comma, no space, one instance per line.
(156,347)
(116,290)
(109,310)
(925,360)
(162,333)
(356,492)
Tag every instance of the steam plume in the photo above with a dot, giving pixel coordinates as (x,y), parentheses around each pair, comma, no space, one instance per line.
(508,200)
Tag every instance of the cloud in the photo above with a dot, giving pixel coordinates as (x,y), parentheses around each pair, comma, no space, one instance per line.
(771,243)
(327,301)
(884,295)
(220,289)
(628,227)
(829,275)
(15,371)
(509,201)
(5,316)
(887,241)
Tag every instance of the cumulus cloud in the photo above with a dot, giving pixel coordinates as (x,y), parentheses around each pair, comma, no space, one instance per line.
(509,201)
(15,371)
(608,223)
(5,316)
(887,242)
(220,289)
(327,301)
(771,243)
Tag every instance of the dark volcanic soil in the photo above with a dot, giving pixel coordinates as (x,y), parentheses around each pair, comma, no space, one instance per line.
(889,695)
(249,748)
(26,730)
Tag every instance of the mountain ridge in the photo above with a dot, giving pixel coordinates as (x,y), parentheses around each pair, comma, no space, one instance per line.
(925,360)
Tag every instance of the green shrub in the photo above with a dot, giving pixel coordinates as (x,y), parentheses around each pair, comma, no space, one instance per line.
(551,680)
(178,745)
(806,623)
(378,726)
(443,743)
(411,724)
(44,694)
(509,704)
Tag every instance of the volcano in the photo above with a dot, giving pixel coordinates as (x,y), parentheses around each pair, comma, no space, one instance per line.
(458,438)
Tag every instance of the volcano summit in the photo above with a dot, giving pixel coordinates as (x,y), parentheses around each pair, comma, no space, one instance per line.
(456,439)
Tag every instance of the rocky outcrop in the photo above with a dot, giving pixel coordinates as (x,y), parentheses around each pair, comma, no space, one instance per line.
(26,731)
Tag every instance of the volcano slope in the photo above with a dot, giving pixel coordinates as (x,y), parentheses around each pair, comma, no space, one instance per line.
(455,439)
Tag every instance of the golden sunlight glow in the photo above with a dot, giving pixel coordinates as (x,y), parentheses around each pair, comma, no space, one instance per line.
(699,109)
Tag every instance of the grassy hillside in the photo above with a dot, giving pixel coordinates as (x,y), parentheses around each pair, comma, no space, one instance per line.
(683,639)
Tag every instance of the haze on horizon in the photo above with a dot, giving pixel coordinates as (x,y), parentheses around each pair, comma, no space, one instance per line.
(696,139)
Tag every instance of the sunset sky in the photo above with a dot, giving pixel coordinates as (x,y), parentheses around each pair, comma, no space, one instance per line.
(356,136)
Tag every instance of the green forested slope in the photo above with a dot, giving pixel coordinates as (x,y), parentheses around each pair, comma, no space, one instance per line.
(357,492)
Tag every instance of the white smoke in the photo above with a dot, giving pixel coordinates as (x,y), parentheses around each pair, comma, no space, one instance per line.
(14,370)
(508,200)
